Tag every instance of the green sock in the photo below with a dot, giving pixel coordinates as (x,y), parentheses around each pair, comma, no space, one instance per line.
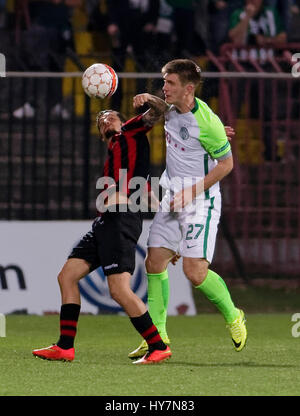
(158,300)
(215,289)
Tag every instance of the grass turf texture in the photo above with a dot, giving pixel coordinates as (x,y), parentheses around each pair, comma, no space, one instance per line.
(204,362)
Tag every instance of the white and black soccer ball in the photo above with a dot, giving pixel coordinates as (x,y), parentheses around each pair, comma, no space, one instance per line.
(99,81)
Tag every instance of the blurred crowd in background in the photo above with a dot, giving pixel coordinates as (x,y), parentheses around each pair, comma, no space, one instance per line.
(38,35)
(69,35)
(161,29)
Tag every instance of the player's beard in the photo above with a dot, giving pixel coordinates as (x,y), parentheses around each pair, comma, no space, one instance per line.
(110,133)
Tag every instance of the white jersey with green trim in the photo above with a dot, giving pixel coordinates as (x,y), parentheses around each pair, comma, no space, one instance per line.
(194,140)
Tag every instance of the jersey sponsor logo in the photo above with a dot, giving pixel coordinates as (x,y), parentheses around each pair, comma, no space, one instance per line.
(184,133)
(95,290)
(111,266)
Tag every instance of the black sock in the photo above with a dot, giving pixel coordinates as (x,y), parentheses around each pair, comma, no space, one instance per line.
(144,325)
(69,314)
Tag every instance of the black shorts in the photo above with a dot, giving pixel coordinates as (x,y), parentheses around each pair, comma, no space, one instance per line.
(111,243)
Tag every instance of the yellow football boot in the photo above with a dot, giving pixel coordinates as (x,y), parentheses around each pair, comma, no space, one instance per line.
(238,331)
(142,349)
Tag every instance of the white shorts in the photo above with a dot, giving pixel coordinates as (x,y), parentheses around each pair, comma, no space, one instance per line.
(190,233)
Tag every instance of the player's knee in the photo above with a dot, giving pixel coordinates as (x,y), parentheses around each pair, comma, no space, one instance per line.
(66,278)
(152,265)
(196,275)
(62,278)
(116,293)
(119,287)
(72,271)
(148,264)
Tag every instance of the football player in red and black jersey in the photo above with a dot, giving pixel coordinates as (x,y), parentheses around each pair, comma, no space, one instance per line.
(111,243)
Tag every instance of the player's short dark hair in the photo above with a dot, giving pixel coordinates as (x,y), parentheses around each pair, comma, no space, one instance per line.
(100,114)
(187,70)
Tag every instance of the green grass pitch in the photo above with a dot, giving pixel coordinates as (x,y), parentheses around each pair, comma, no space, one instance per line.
(204,362)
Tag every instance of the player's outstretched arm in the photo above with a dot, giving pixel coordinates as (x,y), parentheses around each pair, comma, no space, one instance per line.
(158,107)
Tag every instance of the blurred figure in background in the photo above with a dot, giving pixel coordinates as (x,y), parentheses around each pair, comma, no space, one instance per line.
(2,13)
(163,48)
(96,14)
(259,26)
(44,47)
(294,29)
(188,41)
(132,23)
(219,12)
(164,31)
(284,8)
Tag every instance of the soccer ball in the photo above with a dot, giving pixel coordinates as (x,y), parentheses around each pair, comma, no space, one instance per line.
(99,81)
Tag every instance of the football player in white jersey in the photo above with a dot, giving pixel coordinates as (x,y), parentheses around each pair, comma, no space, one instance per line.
(198,157)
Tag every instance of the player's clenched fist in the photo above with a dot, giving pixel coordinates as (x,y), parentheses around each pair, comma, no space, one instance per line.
(141,99)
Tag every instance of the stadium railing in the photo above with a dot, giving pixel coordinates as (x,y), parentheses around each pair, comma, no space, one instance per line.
(260,98)
(49,165)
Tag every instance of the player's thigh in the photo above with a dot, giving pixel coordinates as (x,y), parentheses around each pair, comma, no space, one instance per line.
(86,248)
(164,231)
(117,236)
(119,283)
(199,231)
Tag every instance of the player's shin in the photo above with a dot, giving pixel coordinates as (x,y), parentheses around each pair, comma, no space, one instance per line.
(158,300)
(216,291)
(69,315)
(144,325)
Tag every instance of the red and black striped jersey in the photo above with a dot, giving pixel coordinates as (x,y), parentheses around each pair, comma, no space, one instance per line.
(128,150)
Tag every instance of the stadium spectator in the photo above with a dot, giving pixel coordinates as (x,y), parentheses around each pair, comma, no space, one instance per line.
(163,48)
(96,15)
(187,41)
(44,48)
(132,23)
(258,26)
(198,158)
(2,13)
(296,7)
(294,29)
(163,30)
(112,241)
(219,12)
(284,8)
